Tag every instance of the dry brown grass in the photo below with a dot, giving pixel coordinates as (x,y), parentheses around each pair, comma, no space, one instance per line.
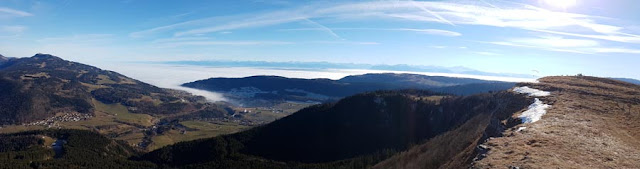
(593,123)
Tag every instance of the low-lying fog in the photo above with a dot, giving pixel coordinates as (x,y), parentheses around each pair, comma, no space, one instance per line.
(172,76)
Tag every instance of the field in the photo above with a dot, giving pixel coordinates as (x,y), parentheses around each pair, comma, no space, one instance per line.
(593,123)
(121,114)
(202,129)
(199,129)
(269,114)
(48,141)
(132,138)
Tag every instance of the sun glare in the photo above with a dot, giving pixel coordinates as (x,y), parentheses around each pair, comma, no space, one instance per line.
(561,3)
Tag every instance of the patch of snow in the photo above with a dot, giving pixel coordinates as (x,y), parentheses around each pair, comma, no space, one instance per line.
(535,112)
(520,129)
(531,91)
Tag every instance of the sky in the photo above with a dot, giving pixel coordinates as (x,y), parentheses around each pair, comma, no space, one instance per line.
(540,37)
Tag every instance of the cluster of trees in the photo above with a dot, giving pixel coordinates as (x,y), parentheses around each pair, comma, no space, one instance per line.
(347,128)
(12,101)
(18,143)
(223,153)
(83,149)
(209,112)
(18,105)
(475,88)
(80,105)
(114,95)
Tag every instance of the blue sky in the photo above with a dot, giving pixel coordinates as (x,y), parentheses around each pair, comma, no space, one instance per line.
(593,37)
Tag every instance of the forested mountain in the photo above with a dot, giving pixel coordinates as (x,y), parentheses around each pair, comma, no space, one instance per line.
(42,86)
(78,149)
(410,80)
(356,132)
(3,60)
(255,89)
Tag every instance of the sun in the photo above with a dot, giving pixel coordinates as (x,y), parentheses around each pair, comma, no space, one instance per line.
(561,3)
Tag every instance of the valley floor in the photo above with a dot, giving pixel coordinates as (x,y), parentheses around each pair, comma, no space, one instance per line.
(147,133)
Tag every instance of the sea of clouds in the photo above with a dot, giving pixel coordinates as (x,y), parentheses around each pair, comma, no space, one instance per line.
(172,76)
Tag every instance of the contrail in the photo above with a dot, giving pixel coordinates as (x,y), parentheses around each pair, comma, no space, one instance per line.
(432,13)
(483,1)
(324,28)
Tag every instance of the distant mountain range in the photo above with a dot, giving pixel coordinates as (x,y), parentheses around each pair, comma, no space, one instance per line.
(629,80)
(256,89)
(328,65)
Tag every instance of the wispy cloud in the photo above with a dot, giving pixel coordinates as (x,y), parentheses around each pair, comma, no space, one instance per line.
(487,3)
(200,41)
(156,30)
(447,47)
(14,29)
(425,31)
(616,37)
(539,47)
(423,8)
(344,42)
(586,32)
(617,50)
(560,44)
(220,43)
(183,14)
(525,17)
(273,2)
(79,39)
(513,15)
(324,28)
(267,19)
(181,39)
(178,26)
(8,12)
(434,32)
(453,13)
(486,53)
(555,42)
(438,47)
